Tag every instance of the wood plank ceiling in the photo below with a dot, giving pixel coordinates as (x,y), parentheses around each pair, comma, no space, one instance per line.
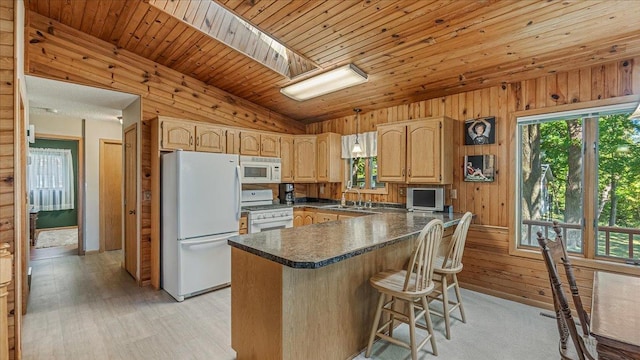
(411,49)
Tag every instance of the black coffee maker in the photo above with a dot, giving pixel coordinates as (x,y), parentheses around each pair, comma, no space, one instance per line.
(286,194)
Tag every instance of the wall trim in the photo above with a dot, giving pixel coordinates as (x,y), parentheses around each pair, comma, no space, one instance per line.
(578,106)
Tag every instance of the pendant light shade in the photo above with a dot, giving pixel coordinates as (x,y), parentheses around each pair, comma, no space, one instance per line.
(357,149)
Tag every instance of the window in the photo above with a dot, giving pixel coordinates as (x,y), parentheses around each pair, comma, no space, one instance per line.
(581,168)
(361,169)
(50,179)
(364,173)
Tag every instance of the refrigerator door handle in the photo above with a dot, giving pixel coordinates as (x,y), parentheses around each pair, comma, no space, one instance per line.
(239,193)
(204,244)
(220,239)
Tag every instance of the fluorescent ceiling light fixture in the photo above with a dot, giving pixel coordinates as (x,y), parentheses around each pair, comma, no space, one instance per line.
(328,82)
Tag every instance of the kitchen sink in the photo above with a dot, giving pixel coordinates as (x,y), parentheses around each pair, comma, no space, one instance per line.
(364,209)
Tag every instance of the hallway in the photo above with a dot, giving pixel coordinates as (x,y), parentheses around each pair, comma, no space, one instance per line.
(88,307)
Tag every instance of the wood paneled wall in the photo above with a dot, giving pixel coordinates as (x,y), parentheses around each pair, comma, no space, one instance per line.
(8,93)
(488,265)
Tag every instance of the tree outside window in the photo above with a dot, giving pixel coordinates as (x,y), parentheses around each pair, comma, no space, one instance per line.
(364,173)
(569,165)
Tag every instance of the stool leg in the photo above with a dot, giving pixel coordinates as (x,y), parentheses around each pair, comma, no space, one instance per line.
(427,318)
(374,327)
(412,330)
(457,287)
(392,316)
(445,305)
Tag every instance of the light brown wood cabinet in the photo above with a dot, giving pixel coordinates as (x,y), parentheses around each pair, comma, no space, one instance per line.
(242,226)
(308,218)
(303,217)
(298,217)
(269,145)
(233,141)
(258,144)
(304,149)
(321,217)
(210,139)
(249,143)
(416,152)
(177,135)
(392,150)
(286,156)
(328,157)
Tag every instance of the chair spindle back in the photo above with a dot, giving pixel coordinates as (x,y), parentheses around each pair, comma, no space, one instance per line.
(422,259)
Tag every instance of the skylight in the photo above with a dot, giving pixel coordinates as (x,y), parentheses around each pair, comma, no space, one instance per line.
(222,25)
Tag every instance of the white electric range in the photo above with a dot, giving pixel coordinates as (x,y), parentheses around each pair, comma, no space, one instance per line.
(263,214)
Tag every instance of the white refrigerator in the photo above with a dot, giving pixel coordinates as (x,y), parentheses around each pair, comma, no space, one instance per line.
(200,209)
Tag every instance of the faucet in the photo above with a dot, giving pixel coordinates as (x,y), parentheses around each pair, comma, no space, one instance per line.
(359,204)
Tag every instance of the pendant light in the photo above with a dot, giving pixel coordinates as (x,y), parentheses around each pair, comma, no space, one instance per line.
(357,149)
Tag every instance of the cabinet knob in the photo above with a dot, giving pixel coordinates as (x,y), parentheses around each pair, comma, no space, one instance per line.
(132,212)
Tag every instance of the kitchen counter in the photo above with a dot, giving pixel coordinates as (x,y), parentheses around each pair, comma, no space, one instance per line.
(312,282)
(299,248)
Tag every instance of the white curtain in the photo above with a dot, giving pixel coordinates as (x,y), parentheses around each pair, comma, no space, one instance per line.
(368,142)
(50,179)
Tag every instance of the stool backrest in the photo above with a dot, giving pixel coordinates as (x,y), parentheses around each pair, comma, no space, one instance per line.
(420,270)
(453,260)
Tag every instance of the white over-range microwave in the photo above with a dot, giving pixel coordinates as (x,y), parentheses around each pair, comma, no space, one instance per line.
(260,170)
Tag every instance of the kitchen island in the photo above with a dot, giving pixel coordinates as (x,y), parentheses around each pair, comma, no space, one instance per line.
(303,293)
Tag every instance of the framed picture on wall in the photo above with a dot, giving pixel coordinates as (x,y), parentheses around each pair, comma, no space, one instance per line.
(480,131)
(479,168)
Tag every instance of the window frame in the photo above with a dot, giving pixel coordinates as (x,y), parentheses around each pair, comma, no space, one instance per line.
(347,176)
(596,107)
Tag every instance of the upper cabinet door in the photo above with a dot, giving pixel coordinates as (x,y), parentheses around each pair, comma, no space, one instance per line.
(249,143)
(210,139)
(391,153)
(269,145)
(305,158)
(233,141)
(177,135)
(286,156)
(328,155)
(423,152)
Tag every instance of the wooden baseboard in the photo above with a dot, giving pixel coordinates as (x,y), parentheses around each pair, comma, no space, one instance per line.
(507,296)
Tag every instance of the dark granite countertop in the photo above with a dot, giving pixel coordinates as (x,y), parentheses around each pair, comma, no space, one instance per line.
(318,245)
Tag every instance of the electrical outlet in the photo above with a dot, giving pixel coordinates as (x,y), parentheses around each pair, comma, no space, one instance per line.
(401,191)
(322,189)
(454,193)
(146,195)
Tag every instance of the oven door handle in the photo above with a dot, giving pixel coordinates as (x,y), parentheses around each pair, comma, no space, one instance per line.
(272,220)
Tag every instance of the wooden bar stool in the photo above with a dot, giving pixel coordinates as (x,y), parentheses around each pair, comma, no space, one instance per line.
(449,266)
(409,286)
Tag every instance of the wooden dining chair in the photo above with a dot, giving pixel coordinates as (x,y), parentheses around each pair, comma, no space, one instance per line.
(448,266)
(554,253)
(408,286)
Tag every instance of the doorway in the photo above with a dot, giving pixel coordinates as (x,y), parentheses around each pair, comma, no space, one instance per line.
(55,229)
(110,195)
(131,200)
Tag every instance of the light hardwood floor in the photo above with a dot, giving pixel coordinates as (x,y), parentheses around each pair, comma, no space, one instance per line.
(88,307)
